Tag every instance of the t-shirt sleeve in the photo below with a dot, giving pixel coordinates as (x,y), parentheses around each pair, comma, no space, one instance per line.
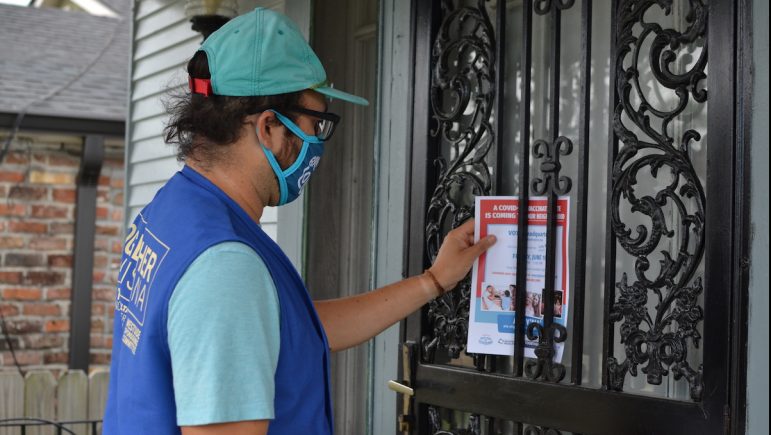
(223,333)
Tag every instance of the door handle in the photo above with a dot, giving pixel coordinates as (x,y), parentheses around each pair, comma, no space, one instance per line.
(401,388)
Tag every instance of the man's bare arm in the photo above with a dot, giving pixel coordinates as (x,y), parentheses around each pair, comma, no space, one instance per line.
(355,319)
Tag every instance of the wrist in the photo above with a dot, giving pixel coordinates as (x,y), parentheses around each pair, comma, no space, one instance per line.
(437,289)
(440,274)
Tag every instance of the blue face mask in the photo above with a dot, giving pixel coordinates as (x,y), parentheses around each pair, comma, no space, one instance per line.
(292,179)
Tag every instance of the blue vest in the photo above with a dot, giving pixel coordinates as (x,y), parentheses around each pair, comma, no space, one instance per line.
(187,216)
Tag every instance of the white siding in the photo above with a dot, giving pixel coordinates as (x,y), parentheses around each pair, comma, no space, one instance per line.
(149,160)
(162,43)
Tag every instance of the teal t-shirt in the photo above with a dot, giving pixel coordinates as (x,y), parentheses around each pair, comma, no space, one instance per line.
(224,337)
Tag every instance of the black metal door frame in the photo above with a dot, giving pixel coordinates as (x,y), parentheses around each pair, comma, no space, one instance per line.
(584,410)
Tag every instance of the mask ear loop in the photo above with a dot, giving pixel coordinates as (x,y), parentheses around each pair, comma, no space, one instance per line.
(282,187)
(278,172)
(307,140)
(295,129)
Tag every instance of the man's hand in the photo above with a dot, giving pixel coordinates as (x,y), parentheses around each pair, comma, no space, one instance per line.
(457,255)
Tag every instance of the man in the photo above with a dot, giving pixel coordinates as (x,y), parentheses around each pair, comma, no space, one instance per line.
(506,300)
(214,330)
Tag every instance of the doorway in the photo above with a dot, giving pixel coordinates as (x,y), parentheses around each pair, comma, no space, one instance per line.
(607,108)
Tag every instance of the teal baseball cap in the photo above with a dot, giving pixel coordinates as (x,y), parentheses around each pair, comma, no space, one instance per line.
(264,53)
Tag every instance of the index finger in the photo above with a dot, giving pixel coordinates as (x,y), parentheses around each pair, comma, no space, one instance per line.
(467,227)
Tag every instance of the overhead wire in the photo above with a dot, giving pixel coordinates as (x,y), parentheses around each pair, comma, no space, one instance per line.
(22,113)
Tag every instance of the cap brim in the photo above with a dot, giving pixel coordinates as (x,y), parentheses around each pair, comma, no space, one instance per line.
(345,96)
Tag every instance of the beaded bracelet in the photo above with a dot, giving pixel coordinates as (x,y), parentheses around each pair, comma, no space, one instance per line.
(439,289)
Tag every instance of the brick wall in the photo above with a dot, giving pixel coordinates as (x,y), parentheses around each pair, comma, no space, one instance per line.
(37,209)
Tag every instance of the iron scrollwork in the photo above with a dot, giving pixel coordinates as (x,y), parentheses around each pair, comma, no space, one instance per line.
(535,430)
(552,183)
(543,7)
(660,341)
(544,366)
(462,102)
(472,427)
(549,154)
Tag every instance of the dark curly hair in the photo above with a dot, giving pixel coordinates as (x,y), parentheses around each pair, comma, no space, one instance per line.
(202,127)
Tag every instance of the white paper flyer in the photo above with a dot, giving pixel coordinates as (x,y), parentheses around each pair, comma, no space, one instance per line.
(494,278)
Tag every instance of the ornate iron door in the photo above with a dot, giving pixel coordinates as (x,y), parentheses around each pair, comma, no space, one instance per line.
(607,104)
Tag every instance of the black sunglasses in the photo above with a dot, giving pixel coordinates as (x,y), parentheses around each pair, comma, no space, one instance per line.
(325,121)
